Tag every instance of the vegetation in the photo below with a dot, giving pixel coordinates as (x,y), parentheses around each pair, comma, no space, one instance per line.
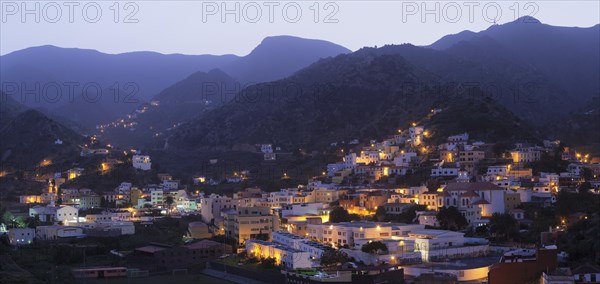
(333,257)
(451,219)
(339,214)
(503,227)
(374,247)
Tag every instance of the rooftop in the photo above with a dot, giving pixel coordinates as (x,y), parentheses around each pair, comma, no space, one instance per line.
(471,186)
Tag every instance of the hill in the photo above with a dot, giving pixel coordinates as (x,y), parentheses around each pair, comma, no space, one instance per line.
(566,56)
(280,56)
(363,95)
(9,109)
(186,99)
(30,138)
(142,75)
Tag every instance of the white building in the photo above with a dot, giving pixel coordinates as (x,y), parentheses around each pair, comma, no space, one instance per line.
(404,159)
(355,234)
(444,172)
(288,239)
(526,155)
(428,218)
(495,171)
(141,162)
(303,209)
(126,228)
(21,236)
(266,148)
(211,207)
(157,197)
(55,232)
(287,257)
(54,213)
(416,135)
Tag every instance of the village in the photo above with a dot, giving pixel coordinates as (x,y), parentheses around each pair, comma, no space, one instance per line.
(346,225)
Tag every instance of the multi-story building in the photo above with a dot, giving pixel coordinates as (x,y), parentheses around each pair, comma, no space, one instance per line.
(285,256)
(468,159)
(212,205)
(522,154)
(157,197)
(462,194)
(357,233)
(246,223)
(324,195)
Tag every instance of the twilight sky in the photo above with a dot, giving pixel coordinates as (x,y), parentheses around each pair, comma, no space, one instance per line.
(202,27)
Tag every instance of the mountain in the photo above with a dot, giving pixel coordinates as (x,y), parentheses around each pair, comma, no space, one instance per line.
(580,128)
(140,75)
(567,56)
(363,95)
(137,75)
(176,104)
(280,56)
(519,87)
(30,138)
(9,109)
(150,71)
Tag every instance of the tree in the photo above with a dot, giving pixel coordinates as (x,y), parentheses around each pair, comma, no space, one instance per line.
(33,222)
(338,214)
(451,219)
(169,201)
(333,257)
(380,214)
(268,262)
(503,226)
(374,247)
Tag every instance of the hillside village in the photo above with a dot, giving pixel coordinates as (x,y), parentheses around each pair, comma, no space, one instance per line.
(474,216)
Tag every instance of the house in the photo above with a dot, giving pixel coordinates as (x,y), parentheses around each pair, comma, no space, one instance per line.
(587,273)
(428,218)
(83,198)
(396,208)
(444,172)
(489,197)
(270,156)
(21,236)
(141,162)
(52,213)
(266,148)
(74,173)
(198,230)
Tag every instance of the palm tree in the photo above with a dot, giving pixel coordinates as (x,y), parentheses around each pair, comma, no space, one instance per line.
(169,201)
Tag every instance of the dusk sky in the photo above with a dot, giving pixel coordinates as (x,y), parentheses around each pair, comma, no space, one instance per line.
(184,27)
